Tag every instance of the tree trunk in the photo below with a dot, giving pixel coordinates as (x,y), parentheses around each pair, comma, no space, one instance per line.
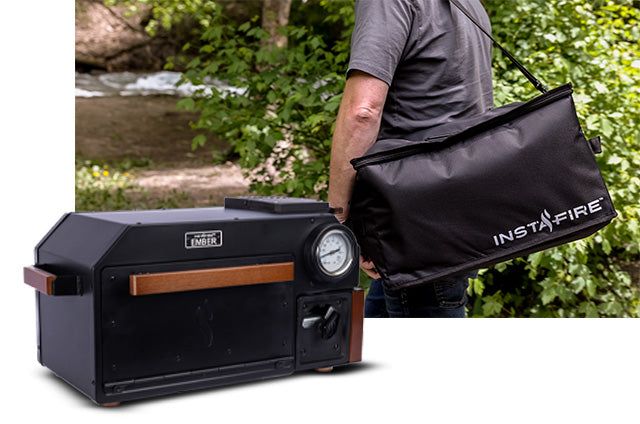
(109,38)
(275,15)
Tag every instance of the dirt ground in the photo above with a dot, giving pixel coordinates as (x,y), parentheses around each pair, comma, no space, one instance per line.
(205,185)
(150,130)
(118,128)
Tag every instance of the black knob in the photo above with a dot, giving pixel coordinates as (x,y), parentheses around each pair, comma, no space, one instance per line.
(329,324)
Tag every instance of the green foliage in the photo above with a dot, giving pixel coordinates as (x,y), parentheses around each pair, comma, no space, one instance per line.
(596,46)
(280,118)
(98,187)
(166,13)
(178,21)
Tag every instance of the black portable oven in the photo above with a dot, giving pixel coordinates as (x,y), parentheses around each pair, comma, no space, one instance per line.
(145,303)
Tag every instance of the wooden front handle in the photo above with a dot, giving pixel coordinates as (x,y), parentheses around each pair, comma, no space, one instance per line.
(211,278)
(39,279)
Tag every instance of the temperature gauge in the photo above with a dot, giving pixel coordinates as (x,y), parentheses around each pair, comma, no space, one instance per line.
(331,252)
(334,252)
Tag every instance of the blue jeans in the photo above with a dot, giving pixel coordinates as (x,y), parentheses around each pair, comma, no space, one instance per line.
(444,298)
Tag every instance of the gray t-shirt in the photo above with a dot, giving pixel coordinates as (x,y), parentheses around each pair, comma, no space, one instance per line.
(435,60)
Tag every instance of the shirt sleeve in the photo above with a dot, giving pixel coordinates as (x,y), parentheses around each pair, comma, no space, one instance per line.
(381,31)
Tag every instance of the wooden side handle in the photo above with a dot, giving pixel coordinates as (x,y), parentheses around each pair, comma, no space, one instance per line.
(357,321)
(200,279)
(39,279)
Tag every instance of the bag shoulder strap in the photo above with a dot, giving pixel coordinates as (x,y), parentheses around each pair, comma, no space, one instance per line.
(536,83)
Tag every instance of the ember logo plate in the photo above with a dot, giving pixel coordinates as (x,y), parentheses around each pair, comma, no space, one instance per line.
(202,239)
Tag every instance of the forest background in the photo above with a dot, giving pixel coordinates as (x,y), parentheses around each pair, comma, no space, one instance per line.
(266,78)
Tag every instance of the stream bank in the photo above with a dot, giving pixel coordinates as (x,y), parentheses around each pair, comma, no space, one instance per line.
(129,123)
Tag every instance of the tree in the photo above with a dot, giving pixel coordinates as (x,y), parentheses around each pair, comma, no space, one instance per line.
(275,16)
(280,121)
(277,109)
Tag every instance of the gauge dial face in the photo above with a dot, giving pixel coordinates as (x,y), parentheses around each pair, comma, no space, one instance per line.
(334,253)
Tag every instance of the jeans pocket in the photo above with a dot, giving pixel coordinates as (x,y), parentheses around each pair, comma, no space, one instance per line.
(451,293)
(397,303)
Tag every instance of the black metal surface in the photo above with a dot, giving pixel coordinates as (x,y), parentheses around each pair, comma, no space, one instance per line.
(276,204)
(66,331)
(116,347)
(316,346)
(67,285)
(168,333)
(219,375)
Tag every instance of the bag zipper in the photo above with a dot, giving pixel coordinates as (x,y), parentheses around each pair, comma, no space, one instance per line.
(410,149)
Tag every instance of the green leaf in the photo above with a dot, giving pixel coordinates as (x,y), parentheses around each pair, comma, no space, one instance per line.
(198,141)
(606,246)
(535,258)
(548,296)
(614,160)
(186,103)
(578,284)
(492,305)
(589,309)
(501,267)
(591,287)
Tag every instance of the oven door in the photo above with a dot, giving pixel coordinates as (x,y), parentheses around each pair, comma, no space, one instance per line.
(185,321)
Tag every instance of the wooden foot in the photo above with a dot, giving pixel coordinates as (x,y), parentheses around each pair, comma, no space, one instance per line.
(110,404)
(324,369)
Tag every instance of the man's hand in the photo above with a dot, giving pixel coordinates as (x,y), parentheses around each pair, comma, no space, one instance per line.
(342,215)
(369,268)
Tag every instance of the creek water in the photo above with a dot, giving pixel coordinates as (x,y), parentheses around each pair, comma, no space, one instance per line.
(144,84)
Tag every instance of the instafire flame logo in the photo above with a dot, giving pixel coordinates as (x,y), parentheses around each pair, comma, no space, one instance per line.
(544,218)
(548,222)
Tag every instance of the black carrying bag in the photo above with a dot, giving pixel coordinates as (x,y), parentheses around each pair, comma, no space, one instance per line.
(512,181)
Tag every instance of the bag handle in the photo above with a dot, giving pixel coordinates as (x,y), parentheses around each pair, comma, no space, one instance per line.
(533,80)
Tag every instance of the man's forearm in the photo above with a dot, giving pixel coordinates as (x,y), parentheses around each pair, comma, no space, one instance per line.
(357,127)
(351,139)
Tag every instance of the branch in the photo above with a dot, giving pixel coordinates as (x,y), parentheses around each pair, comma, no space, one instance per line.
(124,21)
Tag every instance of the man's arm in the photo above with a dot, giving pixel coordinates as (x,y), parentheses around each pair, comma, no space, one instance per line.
(357,127)
(378,40)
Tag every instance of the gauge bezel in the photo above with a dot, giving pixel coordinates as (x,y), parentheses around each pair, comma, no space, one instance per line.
(318,273)
(349,245)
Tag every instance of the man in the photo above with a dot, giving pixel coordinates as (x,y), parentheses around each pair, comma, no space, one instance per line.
(414,64)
